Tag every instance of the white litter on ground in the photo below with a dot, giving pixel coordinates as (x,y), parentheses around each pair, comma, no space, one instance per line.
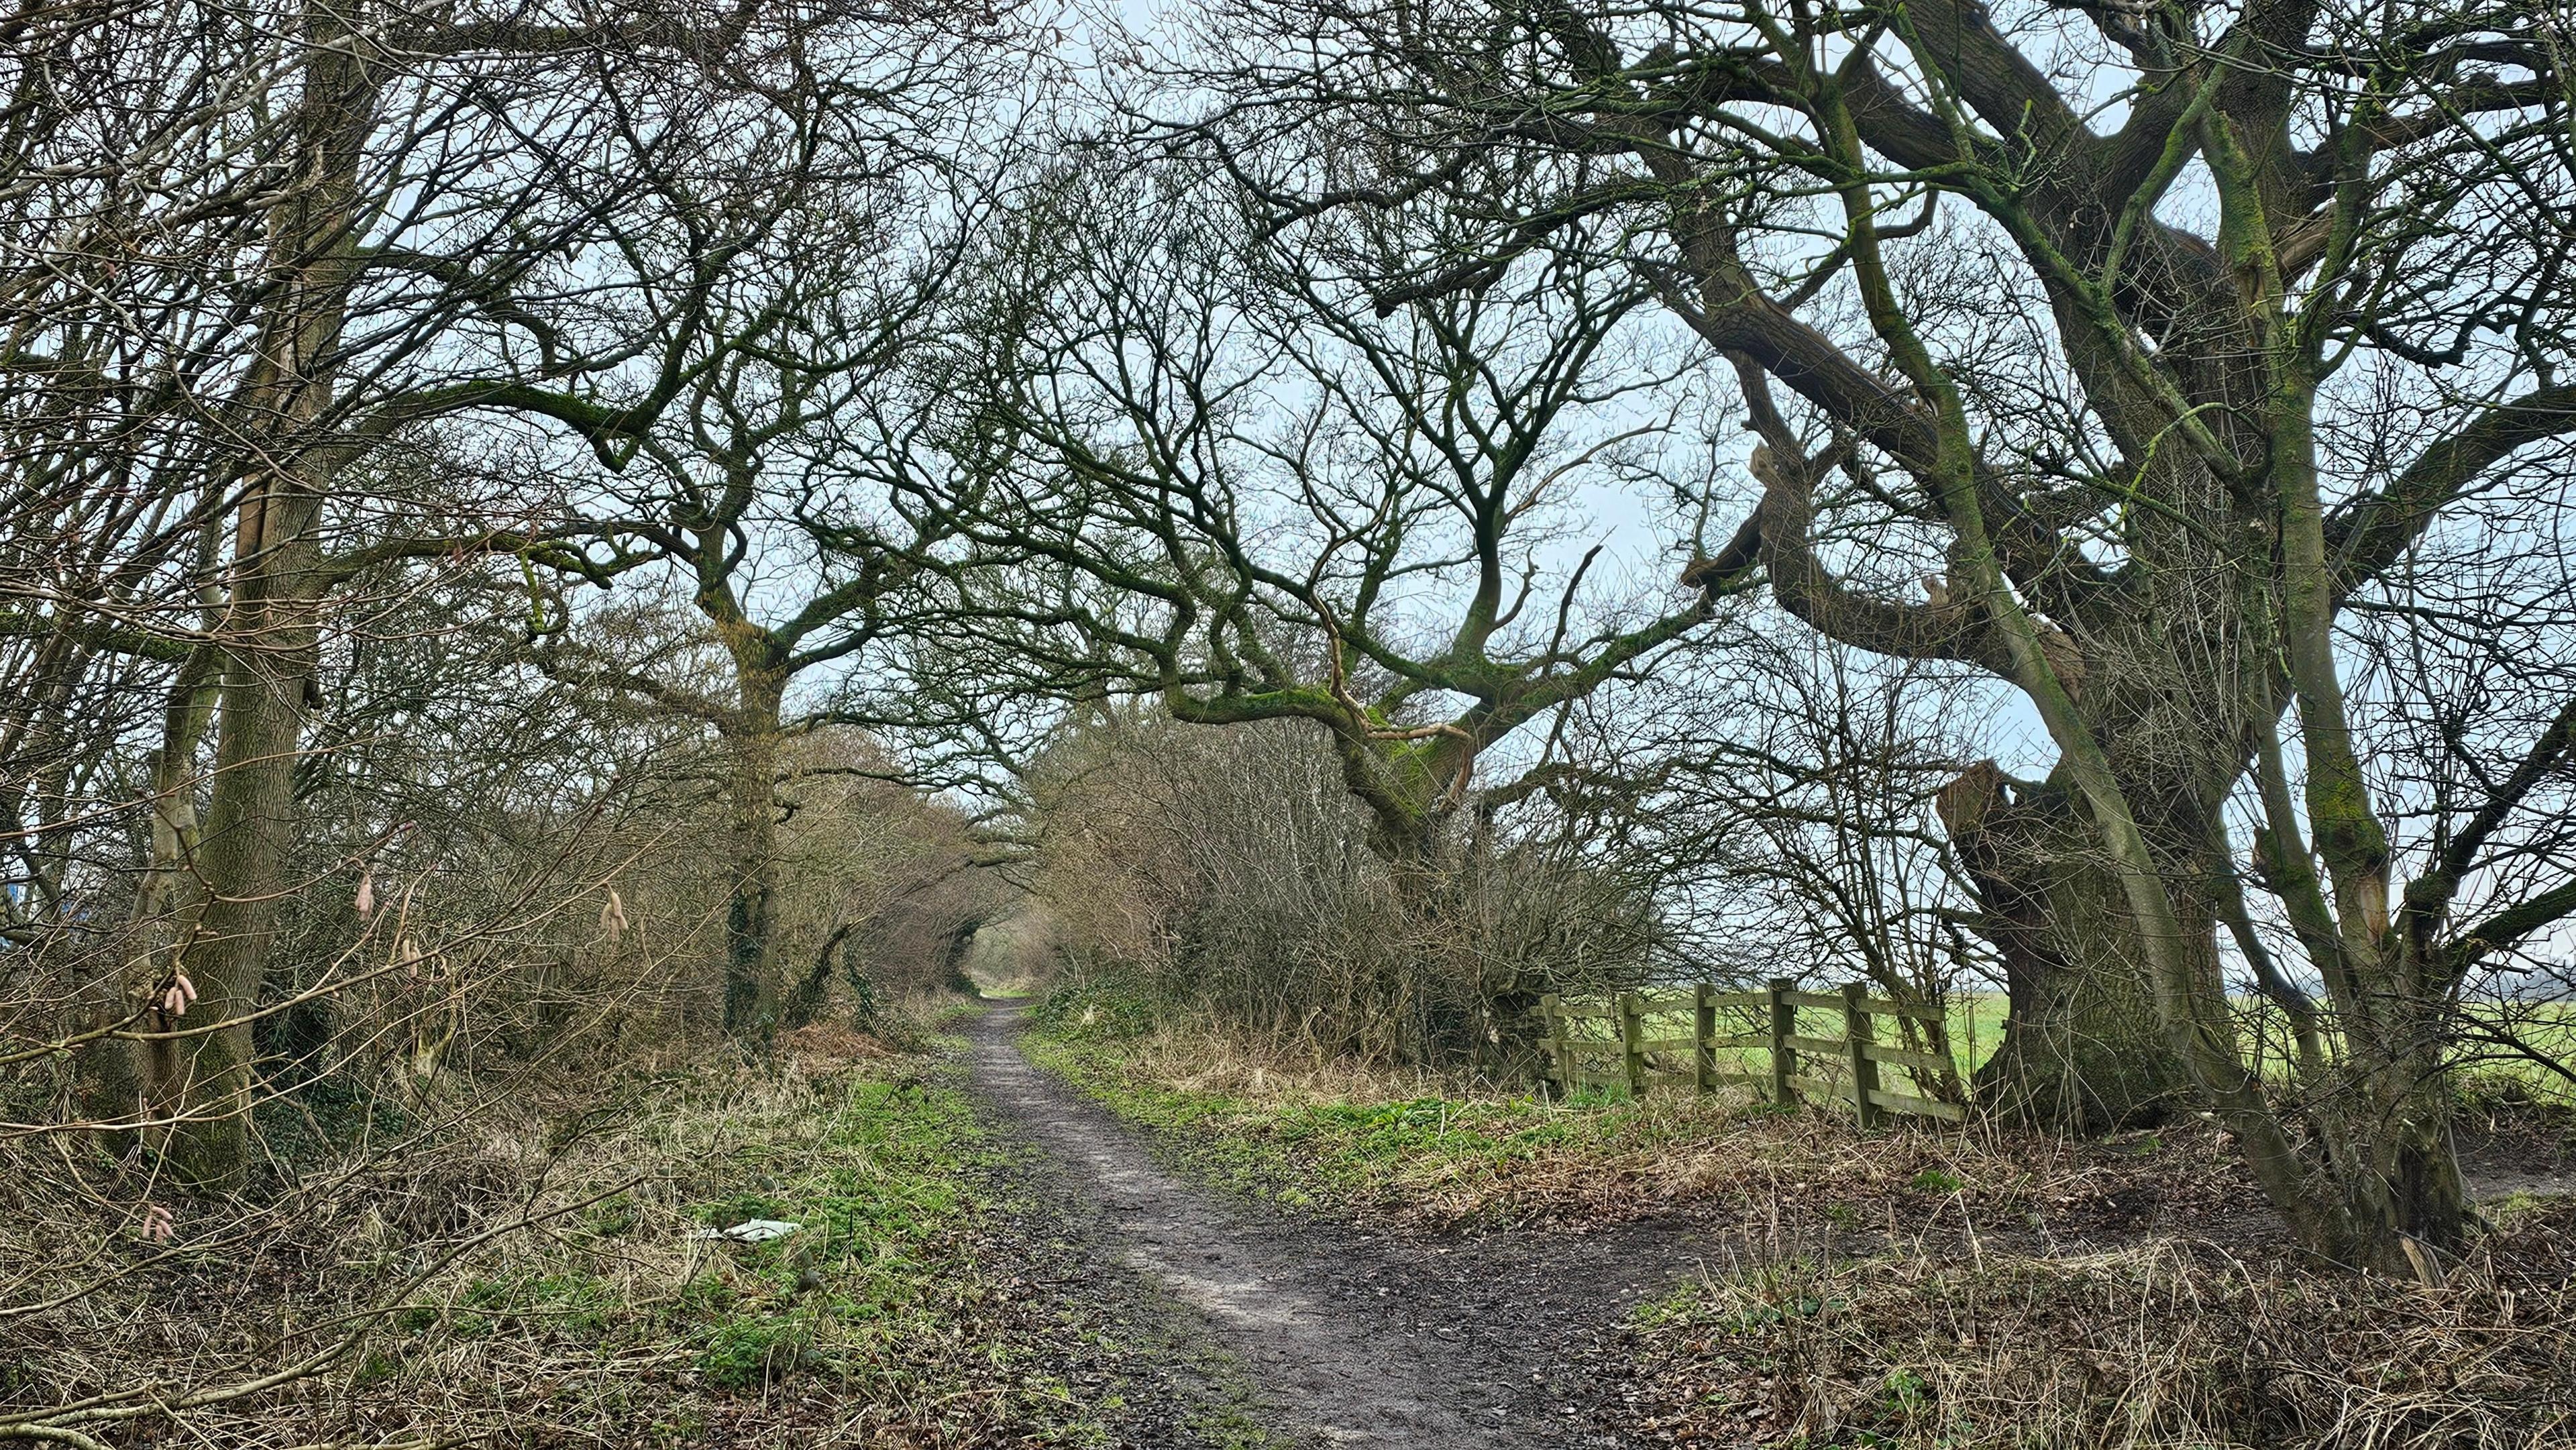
(750,1231)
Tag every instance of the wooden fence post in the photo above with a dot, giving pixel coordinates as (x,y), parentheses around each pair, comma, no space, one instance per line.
(1784,1025)
(1632,1042)
(1704,1039)
(1560,1047)
(1857,1035)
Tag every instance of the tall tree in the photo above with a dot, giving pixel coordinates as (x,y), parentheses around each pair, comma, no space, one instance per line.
(255,250)
(761,490)
(2100,318)
(1194,466)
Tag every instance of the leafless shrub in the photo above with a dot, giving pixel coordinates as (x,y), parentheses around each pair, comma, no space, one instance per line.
(1232,868)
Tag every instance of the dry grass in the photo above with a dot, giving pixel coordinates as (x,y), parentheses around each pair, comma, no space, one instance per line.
(2160,1343)
(522,1268)
(1196,1054)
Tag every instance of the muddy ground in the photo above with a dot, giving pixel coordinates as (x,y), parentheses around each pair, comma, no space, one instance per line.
(1238,1317)
(1330,1334)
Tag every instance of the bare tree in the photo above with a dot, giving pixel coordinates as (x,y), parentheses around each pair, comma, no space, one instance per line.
(1773,792)
(1193,466)
(255,253)
(2101,316)
(764,488)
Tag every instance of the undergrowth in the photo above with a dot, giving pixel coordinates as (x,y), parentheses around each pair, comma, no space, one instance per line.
(902,1312)
(879,1321)
(2163,1343)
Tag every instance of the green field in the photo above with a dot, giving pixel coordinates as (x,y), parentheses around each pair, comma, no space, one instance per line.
(1975,1024)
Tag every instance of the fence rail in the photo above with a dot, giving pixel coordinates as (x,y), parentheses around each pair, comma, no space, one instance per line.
(1854,1057)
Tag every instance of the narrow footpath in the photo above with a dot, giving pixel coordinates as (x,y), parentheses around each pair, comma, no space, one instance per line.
(1350,1336)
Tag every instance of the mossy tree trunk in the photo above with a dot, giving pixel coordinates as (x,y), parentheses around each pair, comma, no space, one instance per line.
(199,1067)
(2081,1051)
(751,991)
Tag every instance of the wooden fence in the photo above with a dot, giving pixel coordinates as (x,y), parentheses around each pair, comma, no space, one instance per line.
(1639,1062)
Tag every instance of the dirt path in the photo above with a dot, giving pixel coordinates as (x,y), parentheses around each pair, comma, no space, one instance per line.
(1355,1337)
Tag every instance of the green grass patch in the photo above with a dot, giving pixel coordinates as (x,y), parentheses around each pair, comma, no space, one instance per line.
(879,1193)
(1456,1159)
(1974,1023)
(901,1297)
(1108,1007)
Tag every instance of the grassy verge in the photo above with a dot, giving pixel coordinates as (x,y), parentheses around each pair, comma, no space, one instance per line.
(923,1301)
(1271,1138)
(899,1313)
(1324,1137)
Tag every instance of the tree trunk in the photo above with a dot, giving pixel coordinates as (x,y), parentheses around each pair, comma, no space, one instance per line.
(959,951)
(113,1077)
(2389,1145)
(805,1002)
(2426,1198)
(750,991)
(2082,1051)
(202,1080)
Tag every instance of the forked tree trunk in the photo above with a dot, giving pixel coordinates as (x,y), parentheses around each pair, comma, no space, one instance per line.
(2390,1146)
(203,1080)
(804,1002)
(199,1069)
